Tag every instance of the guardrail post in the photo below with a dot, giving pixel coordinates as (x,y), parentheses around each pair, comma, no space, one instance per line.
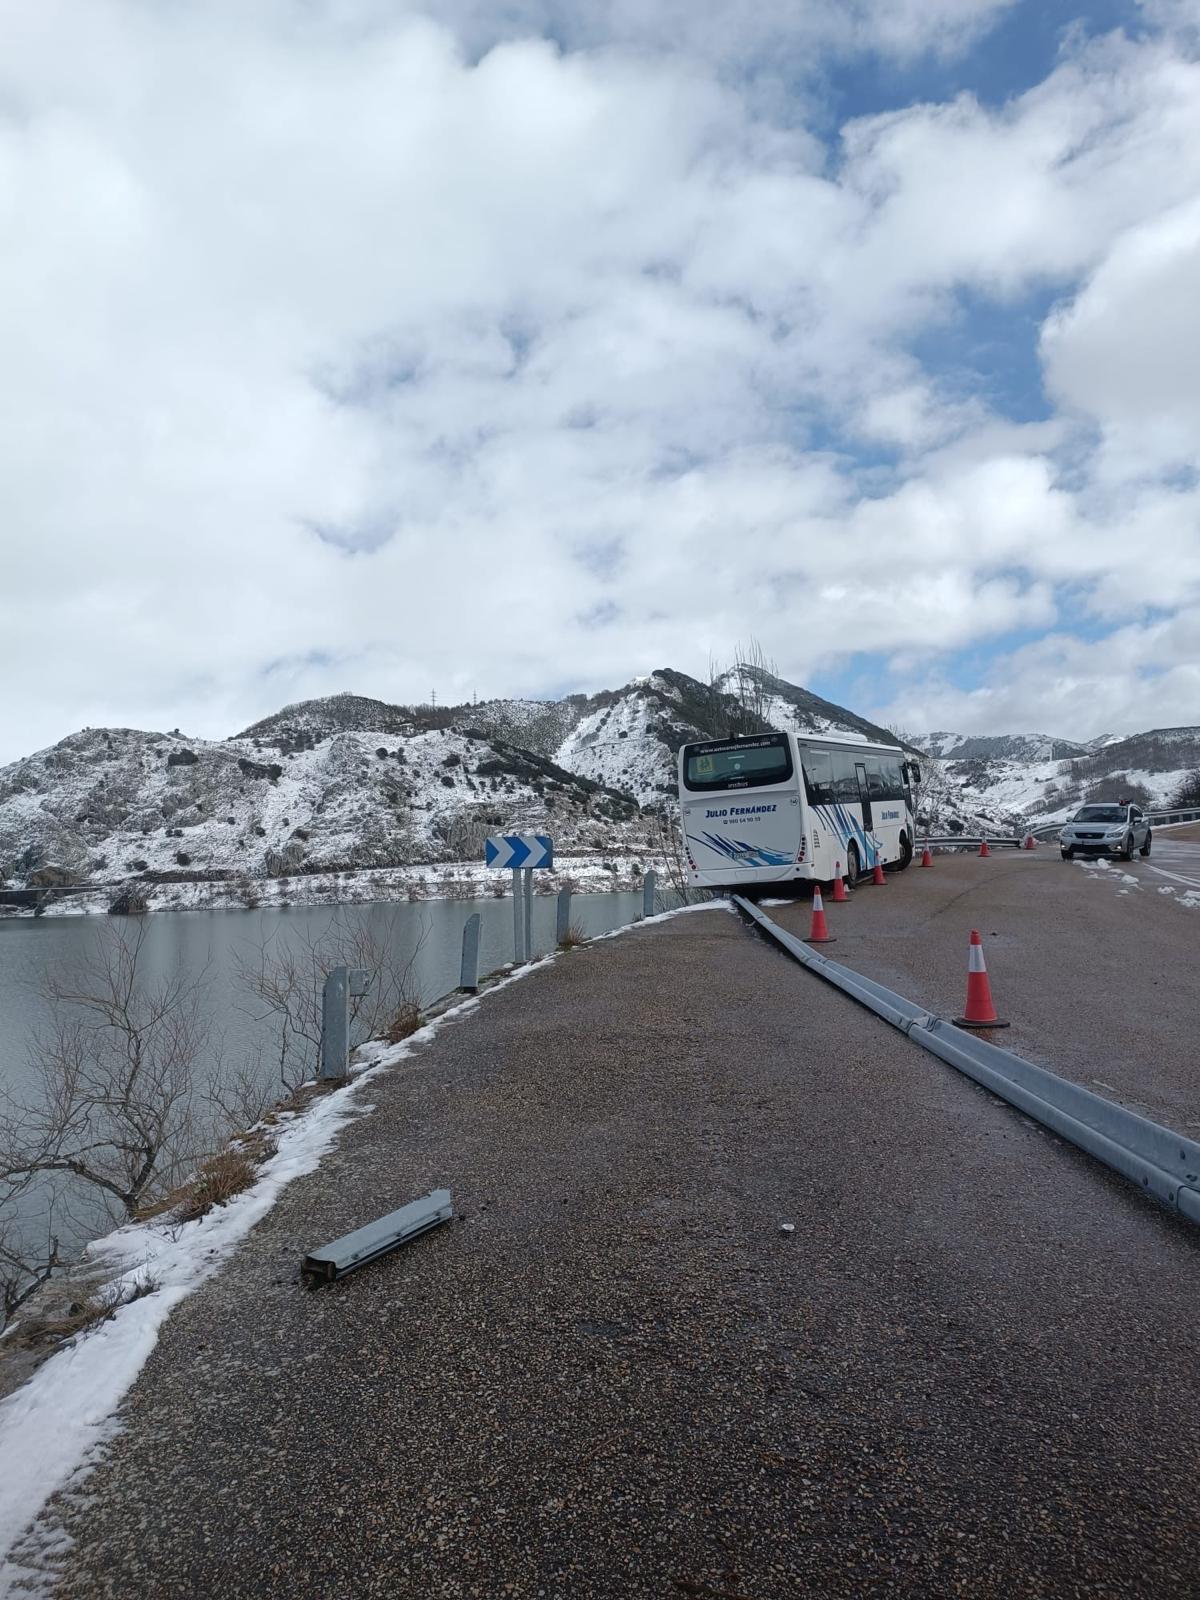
(341,986)
(468,973)
(649,885)
(563,919)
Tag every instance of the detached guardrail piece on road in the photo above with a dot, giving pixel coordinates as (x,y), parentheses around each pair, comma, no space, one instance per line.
(376,1238)
(1160,1161)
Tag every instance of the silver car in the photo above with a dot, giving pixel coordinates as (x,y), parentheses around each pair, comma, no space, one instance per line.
(1107,830)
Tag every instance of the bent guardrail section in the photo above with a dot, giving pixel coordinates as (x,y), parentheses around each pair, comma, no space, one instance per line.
(1161,1162)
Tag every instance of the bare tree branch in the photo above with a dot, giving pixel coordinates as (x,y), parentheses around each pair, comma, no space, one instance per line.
(116,1070)
(282,983)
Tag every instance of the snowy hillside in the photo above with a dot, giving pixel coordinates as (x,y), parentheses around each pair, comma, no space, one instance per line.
(537,725)
(309,721)
(349,783)
(1026,747)
(786,706)
(630,739)
(108,804)
(1035,779)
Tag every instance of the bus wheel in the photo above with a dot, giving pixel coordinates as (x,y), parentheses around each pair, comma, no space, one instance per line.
(853,865)
(906,854)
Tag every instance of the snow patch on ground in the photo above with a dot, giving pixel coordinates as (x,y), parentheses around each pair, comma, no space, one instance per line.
(56,1426)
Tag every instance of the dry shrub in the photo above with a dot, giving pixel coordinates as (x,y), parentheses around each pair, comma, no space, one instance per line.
(89,1311)
(82,1314)
(215,1184)
(404,1022)
(573,937)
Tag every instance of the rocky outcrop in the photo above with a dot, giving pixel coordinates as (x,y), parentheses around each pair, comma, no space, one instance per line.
(129,902)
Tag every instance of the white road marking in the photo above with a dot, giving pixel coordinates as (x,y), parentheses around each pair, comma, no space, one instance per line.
(1192,883)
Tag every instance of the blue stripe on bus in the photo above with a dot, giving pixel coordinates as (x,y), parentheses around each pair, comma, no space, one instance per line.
(847,827)
(748,855)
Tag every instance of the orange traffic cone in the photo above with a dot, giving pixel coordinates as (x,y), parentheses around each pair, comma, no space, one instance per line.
(877,876)
(1030,841)
(980,1012)
(818,933)
(926,857)
(983,848)
(839,884)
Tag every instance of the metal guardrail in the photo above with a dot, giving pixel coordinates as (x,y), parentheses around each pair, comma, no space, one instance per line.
(1049,831)
(995,841)
(1161,1162)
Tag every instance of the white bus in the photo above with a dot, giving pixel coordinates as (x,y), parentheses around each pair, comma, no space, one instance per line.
(778,807)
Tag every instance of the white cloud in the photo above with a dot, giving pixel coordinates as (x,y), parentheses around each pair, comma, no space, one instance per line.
(345,351)
(732,36)
(1126,351)
(1145,675)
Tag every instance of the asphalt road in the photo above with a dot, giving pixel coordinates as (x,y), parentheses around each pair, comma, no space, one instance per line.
(1093,967)
(970,1370)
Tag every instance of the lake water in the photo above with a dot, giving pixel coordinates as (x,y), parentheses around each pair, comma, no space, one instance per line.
(216,943)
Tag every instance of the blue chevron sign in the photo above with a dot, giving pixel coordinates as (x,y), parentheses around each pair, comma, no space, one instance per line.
(519,850)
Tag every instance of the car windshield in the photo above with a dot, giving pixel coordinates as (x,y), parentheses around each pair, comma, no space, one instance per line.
(1100,814)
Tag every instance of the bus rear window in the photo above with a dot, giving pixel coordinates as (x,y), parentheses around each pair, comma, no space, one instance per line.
(739,764)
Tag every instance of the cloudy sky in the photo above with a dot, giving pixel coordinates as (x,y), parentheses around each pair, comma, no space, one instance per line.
(522,346)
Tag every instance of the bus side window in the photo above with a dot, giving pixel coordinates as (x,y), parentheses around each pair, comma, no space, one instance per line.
(876,787)
(818,777)
(893,778)
(845,780)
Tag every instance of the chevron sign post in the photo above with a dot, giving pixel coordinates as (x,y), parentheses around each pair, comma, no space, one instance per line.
(521,852)
(515,850)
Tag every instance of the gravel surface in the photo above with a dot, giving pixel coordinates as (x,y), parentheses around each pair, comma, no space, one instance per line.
(1096,985)
(969,1371)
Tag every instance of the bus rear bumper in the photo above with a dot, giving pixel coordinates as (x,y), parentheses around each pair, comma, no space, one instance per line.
(736,878)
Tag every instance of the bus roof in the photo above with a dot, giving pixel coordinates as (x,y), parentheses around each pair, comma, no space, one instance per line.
(846,739)
(842,740)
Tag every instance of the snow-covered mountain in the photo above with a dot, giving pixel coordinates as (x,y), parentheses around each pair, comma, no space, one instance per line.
(348,782)
(1028,747)
(630,739)
(1034,778)
(112,803)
